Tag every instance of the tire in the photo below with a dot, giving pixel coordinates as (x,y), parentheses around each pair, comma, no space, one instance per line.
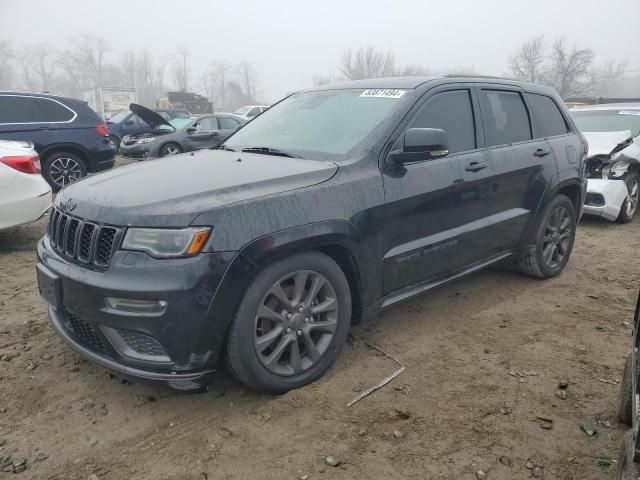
(269,364)
(555,233)
(169,149)
(630,205)
(625,395)
(626,469)
(116,143)
(60,169)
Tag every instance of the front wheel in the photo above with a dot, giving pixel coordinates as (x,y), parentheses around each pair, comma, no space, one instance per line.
(291,324)
(170,149)
(553,242)
(630,204)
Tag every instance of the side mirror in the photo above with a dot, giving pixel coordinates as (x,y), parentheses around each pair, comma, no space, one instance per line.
(191,130)
(421,144)
(128,122)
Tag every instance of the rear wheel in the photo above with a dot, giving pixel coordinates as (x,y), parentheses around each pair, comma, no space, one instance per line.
(62,168)
(625,395)
(291,324)
(630,204)
(554,239)
(169,149)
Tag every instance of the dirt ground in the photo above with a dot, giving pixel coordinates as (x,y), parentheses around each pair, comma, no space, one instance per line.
(483,359)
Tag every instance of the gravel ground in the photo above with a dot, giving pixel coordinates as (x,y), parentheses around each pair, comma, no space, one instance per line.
(484,357)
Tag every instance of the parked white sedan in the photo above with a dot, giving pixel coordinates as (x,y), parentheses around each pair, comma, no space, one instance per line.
(24,195)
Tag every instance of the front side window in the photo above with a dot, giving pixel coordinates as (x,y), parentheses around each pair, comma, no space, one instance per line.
(549,120)
(227,123)
(452,112)
(330,123)
(207,124)
(506,119)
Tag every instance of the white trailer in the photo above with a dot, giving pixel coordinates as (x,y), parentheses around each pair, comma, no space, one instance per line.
(107,101)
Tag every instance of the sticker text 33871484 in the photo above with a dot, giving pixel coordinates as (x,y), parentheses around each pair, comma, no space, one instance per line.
(383,93)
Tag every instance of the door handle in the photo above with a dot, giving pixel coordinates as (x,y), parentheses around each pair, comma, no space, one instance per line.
(475,166)
(541,152)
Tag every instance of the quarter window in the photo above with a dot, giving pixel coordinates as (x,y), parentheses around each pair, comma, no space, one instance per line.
(452,112)
(549,120)
(505,117)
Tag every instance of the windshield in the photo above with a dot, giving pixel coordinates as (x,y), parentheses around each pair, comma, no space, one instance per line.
(330,122)
(608,121)
(176,123)
(120,116)
(242,110)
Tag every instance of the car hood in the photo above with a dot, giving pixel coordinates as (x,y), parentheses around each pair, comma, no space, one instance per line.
(173,191)
(153,119)
(602,143)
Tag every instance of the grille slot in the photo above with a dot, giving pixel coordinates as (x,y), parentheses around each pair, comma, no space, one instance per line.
(84,242)
(85,332)
(142,344)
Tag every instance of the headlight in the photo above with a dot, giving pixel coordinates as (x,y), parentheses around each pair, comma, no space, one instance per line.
(145,140)
(165,243)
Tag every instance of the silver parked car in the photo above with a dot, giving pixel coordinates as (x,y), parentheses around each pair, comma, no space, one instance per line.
(613,165)
(184,134)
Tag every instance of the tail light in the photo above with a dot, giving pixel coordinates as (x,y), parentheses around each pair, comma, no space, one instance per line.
(102,130)
(585,145)
(24,164)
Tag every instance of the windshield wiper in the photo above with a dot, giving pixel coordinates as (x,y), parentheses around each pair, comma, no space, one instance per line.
(223,147)
(269,151)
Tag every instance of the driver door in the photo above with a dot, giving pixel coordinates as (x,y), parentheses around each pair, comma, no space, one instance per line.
(206,134)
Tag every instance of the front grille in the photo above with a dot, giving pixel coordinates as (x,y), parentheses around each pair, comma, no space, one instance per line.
(85,242)
(85,333)
(141,343)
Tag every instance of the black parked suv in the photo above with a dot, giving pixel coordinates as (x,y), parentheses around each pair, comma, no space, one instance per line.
(70,138)
(332,205)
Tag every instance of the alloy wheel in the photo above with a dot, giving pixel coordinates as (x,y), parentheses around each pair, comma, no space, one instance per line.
(557,237)
(171,150)
(632,200)
(296,322)
(64,170)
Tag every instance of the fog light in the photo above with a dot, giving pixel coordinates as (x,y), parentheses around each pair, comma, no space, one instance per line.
(131,305)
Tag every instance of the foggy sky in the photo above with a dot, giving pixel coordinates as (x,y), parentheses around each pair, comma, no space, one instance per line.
(289,41)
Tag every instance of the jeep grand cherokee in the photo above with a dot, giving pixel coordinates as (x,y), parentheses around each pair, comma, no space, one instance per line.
(335,203)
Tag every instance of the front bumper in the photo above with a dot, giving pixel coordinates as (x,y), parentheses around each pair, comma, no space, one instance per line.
(163,346)
(139,151)
(605,197)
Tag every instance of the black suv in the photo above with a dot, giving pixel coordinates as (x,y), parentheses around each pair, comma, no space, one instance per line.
(70,138)
(332,205)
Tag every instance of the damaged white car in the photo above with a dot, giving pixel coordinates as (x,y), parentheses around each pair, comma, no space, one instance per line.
(613,165)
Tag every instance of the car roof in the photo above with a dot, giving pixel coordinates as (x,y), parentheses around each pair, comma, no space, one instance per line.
(41,95)
(607,106)
(415,82)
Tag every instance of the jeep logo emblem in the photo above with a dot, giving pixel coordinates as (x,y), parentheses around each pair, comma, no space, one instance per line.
(69,205)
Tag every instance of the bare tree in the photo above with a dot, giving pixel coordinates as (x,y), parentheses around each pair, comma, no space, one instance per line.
(246,78)
(39,63)
(414,70)
(84,62)
(570,71)
(527,63)
(6,65)
(128,64)
(367,62)
(180,71)
(220,73)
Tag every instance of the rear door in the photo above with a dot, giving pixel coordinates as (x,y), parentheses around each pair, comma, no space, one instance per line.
(520,164)
(23,117)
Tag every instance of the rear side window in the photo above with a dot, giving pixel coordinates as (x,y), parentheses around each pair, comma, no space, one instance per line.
(549,120)
(452,112)
(54,111)
(506,119)
(15,109)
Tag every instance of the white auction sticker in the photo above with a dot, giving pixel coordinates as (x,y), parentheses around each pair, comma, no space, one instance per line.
(626,112)
(383,93)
